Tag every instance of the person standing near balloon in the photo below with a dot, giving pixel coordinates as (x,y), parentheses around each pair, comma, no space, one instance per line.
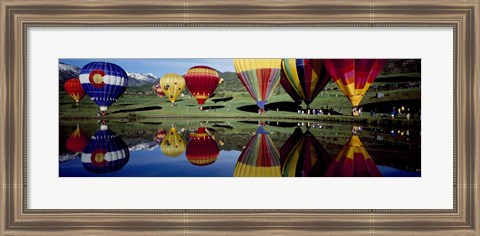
(104,82)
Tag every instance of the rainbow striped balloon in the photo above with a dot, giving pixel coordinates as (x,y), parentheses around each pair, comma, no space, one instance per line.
(354,76)
(305,78)
(353,161)
(260,77)
(260,157)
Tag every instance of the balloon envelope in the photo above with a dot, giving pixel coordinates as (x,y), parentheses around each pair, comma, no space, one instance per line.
(202,82)
(74,88)
(260,157)
(353,161)
(303,156)
(158,90)
(306,77)
(289,89)
(104,82)
(77,141)
(172,85)
(354,76)
(160,135)
(202,149)
(105,153)
(259,76)
(173,144)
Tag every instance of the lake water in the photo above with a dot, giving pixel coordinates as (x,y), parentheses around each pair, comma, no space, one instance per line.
(179,148)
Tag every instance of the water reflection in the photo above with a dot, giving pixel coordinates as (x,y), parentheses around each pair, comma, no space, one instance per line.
(77,140)
(353,161)
(303,156)
(173,144)
(202,149)
(259,158)
(105,153)
(237,148)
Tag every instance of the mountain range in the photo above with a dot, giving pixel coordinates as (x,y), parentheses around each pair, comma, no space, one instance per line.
(66,71)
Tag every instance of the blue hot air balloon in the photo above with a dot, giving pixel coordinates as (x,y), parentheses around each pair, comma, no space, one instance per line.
(105,153)
(104,82)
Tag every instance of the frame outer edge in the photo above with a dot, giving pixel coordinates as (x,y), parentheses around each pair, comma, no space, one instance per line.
(10,92)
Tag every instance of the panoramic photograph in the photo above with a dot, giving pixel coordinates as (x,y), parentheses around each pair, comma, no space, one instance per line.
(239,117)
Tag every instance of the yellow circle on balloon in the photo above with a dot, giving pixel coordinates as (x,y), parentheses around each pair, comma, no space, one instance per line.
(99,157)
(97,78)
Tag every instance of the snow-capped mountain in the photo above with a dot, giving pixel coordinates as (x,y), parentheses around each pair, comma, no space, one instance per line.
(140,144)
(135,79)
(66,71)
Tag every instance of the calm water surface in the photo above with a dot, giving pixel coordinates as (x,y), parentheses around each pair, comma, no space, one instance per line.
(176,148)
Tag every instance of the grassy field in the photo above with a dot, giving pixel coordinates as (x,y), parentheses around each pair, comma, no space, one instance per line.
(240,105)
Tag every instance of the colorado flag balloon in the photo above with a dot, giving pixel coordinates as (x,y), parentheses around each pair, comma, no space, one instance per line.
(105,153)
(104,82)
(260,77)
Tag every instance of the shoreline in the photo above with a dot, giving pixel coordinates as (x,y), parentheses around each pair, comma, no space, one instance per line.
(312,118)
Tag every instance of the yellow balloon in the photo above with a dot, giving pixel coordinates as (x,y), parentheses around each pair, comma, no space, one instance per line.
(173,144)
(172,85)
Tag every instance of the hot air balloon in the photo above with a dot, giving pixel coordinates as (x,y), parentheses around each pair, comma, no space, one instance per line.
(158,90)
(303,156)
(354,76)
(260,157)
(173,144)
(260,77)
(289,89)
(105,153)
(77,140)
(353,161)
(172,85)
(304,78)
(74,88)
(202,82)
(202,149)
(160,135)
(104,82)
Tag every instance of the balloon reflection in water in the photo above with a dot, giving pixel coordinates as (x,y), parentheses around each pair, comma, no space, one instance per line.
(260,157)
(173,144)
(77,140)
(105,153)
(160,135)
(202,149)
(303,156)
(353,161)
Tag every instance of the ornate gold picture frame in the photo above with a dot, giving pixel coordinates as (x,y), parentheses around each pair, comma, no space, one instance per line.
(17,16)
